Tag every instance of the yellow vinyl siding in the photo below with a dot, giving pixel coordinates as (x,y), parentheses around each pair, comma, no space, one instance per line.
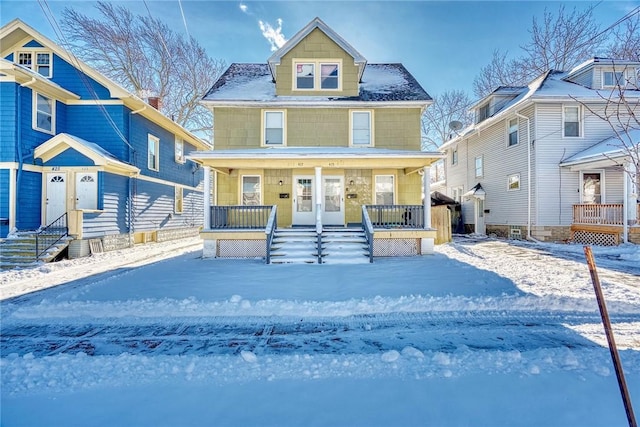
(318,127)
(236,128)
(317,46)
(397,128)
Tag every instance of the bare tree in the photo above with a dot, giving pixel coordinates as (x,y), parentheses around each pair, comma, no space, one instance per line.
(145,56)
(450,106)
(559,41)
(626,41)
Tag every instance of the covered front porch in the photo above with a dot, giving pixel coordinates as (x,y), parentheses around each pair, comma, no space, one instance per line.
(253,193)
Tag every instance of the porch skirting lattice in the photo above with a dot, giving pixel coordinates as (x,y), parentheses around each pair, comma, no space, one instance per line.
(595,238)
(241,248)
(396,247)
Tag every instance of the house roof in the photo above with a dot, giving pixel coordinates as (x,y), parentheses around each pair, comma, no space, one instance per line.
(17,33)
(28,77)
(100,157)
(316,23)
(612,148)
(243,83)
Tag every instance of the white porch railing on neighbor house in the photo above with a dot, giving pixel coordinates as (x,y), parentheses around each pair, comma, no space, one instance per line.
(603,214)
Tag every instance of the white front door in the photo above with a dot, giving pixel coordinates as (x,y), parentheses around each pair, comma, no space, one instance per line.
(56,196)
(479,216)
(304,203)
(333,200)
(86,191)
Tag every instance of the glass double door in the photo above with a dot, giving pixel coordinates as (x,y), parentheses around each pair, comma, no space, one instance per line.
(305,200)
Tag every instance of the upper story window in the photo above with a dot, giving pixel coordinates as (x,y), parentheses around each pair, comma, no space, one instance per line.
(479,167)
(571,121)
(179,150)
(316,75)
(40,62)
(44,113)
(273,129)
(454,156)
(512,129)
(384,190)
(612,78)
(483,112)
(153,153)
(361,128)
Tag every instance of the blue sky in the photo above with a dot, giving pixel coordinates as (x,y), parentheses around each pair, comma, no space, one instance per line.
(442,43)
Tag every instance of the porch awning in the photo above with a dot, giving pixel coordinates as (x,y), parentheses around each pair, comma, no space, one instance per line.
(609,152)
(98,155)
(309,157)
(477,191)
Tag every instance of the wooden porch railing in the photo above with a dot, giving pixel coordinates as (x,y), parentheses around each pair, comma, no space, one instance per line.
(603,214)
(240,217)
(396,216)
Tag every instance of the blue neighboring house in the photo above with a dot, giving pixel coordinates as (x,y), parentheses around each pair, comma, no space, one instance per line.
(77,147)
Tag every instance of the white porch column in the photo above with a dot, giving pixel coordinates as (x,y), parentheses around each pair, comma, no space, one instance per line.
(318,199)
(426,195)
(206,198)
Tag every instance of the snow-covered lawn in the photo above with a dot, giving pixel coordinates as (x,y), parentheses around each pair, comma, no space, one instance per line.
(483,333)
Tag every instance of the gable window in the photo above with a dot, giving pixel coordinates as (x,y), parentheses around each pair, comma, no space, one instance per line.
(571,121)
(178,199)
(361,128)
(40,62)
(273,128)
(384,190)
(153,153)
(317,75)
(454,156)
(44,113)
(179,150)
(612,78)
(479,167)
(513,132)
(483,112)
(251,190)
(513,182)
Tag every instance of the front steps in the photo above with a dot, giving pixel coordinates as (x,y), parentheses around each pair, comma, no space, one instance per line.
(339,246)
(19,251)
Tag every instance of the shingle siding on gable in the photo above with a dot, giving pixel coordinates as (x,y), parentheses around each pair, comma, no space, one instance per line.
(317,46)
(77,82)
(90,122)
(70,157)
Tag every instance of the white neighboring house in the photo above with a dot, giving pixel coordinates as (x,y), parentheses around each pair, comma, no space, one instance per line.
(537,163)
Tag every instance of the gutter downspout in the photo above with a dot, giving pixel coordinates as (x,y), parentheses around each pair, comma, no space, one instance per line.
(19,147)
(529,237)
(625,202)
(131,178)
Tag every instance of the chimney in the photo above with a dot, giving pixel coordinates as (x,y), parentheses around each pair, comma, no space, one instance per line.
(155,102)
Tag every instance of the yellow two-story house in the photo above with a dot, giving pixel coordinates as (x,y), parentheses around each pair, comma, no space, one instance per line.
(317,138)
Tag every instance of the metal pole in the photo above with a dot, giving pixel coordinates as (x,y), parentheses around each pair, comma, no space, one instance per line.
(609,332)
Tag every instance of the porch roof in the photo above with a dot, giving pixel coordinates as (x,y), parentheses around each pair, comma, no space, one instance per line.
(306,157)
(608,152)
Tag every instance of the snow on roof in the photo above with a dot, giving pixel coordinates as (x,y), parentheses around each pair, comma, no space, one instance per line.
(612,147)
(296,152)
(253,82)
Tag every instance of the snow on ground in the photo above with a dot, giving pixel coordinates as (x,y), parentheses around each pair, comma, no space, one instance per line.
(483,333)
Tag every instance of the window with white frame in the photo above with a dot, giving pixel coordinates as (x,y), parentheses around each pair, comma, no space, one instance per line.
(251,190)
(479,166)
(44,113)
(454,156)
(40,62)
(571,121)
(512,130)
(484,112)
(179,150)
(361,128)
(513,182)
(316,75)
(153,153)
(612,78)
(273,132)
(178,199)
(384,190)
